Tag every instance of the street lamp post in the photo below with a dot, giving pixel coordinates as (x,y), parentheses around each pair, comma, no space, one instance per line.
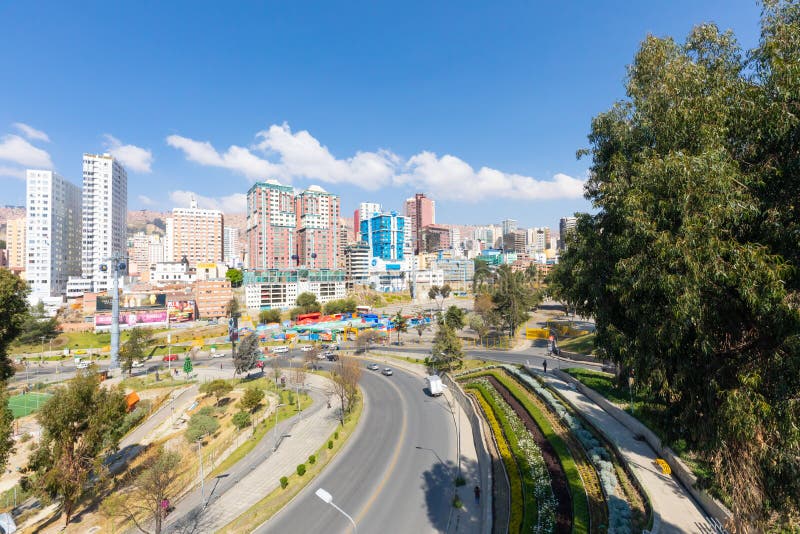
(457,426)
(275,428)
(202,476)
(327,498)
(41,354)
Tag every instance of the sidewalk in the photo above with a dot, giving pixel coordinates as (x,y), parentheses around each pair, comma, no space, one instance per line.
(674,510)
(259,472)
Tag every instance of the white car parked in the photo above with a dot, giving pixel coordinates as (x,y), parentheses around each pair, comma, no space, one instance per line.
(280,349)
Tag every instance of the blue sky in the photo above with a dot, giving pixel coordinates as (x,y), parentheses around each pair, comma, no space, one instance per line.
(480,104)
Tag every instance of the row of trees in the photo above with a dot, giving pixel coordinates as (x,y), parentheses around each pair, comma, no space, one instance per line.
(691,263)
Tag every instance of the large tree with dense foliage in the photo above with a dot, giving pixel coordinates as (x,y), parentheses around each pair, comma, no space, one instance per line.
(81,423)
(13,310)
(512,297)
(690,263)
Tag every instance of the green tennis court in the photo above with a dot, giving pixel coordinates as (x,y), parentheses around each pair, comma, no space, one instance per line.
(26,403)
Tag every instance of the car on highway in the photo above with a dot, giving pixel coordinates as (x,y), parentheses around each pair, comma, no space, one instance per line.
(82,365)
(331,357)
(307,348)
(218,355)
(170,358)
(280,349)
(387,372)
(373,367)
(137,363)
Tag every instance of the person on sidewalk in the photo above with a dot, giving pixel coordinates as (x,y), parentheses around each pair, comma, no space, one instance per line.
(544,365)
(477,491)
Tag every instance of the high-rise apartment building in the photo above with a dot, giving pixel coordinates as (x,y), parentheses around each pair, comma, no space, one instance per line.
(196,234)
(509,225)
(53,233)
(230,245)
(385,235)
(317,224)
(345,238)
(105,209)
(144,250)
(421,212)
(15,243)
(565,225)
(271,224)
(538,239)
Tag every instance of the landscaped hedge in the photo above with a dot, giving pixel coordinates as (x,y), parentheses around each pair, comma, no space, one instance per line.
(580,506)
(517,509)
(538,499)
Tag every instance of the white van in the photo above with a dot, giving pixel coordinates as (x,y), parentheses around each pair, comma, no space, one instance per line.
(280,349)
(435,386)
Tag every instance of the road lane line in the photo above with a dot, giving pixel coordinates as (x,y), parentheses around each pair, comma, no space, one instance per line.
(392,463)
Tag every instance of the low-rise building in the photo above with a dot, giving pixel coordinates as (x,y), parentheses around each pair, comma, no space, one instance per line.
(212,297)
(279,289)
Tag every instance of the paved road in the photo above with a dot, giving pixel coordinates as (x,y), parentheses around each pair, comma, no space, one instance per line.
(396,473)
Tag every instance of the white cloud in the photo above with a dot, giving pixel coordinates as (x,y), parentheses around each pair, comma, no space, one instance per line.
(451,178)
(13,172)
(147,201)
(235,203)
(289,155)
(237,159)
(134,158)
(30,132)
(301,155)
(15,149)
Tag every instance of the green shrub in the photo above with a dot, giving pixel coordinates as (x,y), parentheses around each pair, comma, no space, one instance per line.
(336,435)
(284,482)
(200,425)
(330,444)
(312,459)
(207,410)
(241,419)
(301,469)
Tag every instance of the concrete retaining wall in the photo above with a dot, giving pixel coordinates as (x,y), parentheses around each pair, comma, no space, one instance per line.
(478,437)
(711,506)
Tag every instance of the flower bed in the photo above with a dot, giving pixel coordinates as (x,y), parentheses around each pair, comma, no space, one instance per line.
(619,511)
(512,470)
(540,504)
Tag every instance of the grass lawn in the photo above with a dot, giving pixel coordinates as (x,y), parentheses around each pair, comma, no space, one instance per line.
(581,344)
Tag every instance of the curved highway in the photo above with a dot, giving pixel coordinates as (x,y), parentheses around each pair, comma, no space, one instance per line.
(395,474)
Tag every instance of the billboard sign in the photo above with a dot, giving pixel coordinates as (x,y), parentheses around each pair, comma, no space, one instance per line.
(136,301)
(133,318)
(181,311)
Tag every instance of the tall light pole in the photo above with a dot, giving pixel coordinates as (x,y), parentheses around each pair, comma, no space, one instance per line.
(41,354)
(117,264)
(275,428)
(202,476)
(457,426)
(327,498)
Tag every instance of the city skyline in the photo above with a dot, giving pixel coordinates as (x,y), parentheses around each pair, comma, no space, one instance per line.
(400,125)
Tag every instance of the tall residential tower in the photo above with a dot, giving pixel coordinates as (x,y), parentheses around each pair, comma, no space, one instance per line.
(105,210)
(53,233)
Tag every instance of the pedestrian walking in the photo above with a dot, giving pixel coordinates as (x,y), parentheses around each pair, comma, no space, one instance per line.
(477,491)
(544,364)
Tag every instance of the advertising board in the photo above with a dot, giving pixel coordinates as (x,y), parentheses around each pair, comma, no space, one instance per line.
(132,318)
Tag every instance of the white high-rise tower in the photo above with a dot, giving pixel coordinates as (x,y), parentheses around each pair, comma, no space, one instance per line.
(53,233)
(105,210)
